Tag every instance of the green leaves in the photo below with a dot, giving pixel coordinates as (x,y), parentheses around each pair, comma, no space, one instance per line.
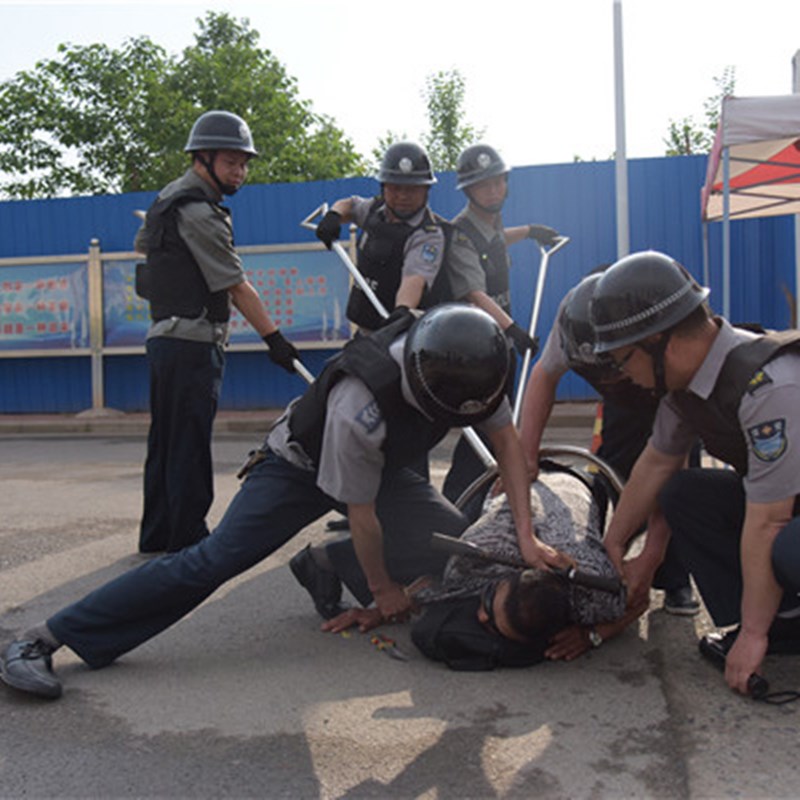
(95,120)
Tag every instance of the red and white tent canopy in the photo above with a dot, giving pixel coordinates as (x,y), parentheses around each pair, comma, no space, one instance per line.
(762,136)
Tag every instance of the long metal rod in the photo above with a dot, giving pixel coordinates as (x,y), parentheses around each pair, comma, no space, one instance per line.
(534,321)
(481,450)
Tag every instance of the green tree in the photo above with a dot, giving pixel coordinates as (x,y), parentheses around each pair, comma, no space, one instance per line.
(97,120)
(685,137)
(449,131)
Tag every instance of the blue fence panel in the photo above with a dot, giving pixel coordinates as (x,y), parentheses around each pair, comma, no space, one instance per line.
(576,199)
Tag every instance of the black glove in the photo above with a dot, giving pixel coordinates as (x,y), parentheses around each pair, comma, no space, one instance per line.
(281,351)
(400,312)
(544,235)
(329,228)
(521,340)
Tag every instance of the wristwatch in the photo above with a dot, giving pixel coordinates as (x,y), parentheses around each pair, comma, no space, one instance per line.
(595,639)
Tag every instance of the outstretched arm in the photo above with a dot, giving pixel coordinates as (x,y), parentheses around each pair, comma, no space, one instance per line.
(514,475)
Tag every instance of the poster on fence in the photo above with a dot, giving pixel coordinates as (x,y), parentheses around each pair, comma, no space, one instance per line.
(44,307)
(305,293)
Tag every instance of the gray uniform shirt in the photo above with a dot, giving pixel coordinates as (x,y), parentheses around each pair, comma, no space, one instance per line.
(352,460)
(424,249)
(768,416)
(208,234)
(464,268)
(564,516)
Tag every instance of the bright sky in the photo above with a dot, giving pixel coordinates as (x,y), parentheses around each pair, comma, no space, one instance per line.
(539,73)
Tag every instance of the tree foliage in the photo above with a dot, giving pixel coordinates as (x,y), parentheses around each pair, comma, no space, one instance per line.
(449,131)
(685,137)
(96,120)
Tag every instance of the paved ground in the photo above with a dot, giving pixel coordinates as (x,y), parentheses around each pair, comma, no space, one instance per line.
(246,698)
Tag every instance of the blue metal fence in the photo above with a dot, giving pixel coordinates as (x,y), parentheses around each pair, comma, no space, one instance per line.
(576,199)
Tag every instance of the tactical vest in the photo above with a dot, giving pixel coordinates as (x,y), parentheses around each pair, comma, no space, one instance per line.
(717,418)
(494,262)
(381,251)
(175,286)
(409,434)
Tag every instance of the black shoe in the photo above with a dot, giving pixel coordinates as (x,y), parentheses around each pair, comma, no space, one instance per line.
(714,647)
(341,524)
(681,602)
(324,586)
(28,666)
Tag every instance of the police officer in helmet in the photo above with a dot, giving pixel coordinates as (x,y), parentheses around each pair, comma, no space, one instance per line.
(191,277)
(627,416)
(477,269)
(736,529)
(401,241)
(346,443)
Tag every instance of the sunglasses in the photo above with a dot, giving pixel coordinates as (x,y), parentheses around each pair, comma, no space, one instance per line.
(487,604)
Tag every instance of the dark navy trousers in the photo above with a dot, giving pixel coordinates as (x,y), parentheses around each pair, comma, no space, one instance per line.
(274,503)
(185,382)
(705,509)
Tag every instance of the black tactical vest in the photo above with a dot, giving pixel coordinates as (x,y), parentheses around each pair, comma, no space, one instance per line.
(717,418)
(409,434)
(494,261)
(175,284)
(381,249)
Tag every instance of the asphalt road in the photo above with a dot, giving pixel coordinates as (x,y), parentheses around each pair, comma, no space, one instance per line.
(247,698)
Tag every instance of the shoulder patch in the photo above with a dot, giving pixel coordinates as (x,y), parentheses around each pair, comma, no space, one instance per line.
(768,439)
(429,253)
(757,381)
(370,416)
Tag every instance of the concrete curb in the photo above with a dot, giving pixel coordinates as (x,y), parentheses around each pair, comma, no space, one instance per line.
(110,422)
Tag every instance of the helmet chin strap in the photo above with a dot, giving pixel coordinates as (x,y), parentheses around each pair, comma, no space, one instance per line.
(494,208)
(225,188)
(402,215)
(656,352)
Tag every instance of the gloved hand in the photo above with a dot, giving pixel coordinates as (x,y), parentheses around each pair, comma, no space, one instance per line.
(542,234)
(329,228)
(281,351)
(521,340)
(400,312)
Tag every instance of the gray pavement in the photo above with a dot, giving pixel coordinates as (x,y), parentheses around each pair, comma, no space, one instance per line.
(247,698)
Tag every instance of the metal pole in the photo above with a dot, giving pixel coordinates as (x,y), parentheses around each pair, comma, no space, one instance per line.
(726,232)
(796,89)
(537,302)
(95,267)
(620,158)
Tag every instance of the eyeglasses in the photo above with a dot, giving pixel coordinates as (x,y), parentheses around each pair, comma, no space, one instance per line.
(487,604)
(625,359)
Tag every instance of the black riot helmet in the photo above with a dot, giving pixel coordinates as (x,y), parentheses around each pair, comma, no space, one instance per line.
(477,163)
(575,322)
(219,130)
(639,296)
(407,164)
(456,361)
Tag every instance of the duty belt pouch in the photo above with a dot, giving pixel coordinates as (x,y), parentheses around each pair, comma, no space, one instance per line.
(142,284)
(451,632)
